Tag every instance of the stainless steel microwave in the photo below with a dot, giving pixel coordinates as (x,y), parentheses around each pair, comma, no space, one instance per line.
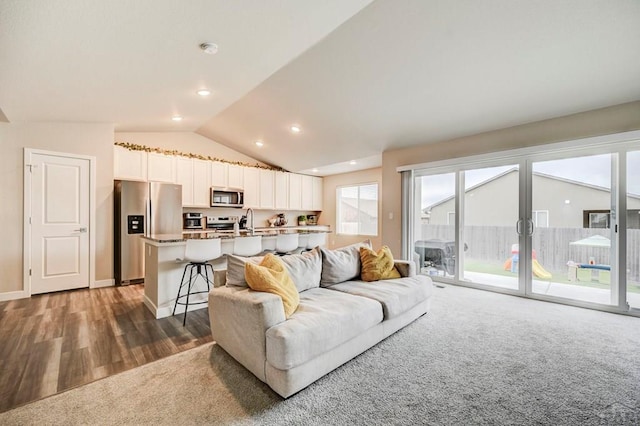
(227,197)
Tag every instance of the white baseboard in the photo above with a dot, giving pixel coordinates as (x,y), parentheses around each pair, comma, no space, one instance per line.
(104,283)
(167,311)
(13,295)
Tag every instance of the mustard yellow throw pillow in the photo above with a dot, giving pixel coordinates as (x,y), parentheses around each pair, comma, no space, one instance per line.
(272,276)
(377,266)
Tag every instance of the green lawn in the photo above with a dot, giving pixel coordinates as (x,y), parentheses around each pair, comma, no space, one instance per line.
(556,277)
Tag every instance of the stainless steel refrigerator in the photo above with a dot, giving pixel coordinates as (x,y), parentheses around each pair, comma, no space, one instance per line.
(141,208)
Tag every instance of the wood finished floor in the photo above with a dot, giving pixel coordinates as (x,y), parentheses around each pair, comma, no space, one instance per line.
(53,342)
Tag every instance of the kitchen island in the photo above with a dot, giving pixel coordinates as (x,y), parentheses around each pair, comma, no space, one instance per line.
(164,267)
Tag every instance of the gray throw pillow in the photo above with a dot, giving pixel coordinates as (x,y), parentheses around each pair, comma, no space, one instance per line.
(341,264)
(235,269)
(305,269)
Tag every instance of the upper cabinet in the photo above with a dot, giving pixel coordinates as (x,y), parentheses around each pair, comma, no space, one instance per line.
(307,192)
(316,202)
(161,168)
(263,188)
(281,190)
(235,177)
(251,187)
(201,183)
(267,193)
(129,165)
(195,177)
(219,174)
(295,191)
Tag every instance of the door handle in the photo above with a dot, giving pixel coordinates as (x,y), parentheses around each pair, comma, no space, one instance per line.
(519,226)
(530,227)
(80,230)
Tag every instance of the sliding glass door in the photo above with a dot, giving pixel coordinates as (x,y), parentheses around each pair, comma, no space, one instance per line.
(633,229)
(489,231)
(572,255)
(561,225)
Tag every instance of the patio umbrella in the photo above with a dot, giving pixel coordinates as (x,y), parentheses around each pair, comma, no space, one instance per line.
(593,241)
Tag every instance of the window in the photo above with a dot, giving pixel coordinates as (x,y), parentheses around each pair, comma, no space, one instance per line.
(540,218)
(357,209)
(451,218)
(596,219)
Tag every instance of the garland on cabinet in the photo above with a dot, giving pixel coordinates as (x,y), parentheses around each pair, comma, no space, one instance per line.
(136,147)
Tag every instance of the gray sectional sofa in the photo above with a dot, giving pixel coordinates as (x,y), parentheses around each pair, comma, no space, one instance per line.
(338,318)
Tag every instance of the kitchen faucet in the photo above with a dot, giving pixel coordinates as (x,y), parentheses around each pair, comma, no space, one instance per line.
(250,228)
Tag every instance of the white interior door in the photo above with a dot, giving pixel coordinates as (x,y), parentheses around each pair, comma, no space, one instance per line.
(59,257)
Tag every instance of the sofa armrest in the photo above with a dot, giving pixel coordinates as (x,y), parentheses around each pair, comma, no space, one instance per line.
(239,319)
(406,268)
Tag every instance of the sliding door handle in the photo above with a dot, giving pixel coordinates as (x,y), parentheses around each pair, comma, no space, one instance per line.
(530,227)
(519,224)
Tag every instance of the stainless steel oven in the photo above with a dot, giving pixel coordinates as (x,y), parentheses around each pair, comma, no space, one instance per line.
(227,197)
(192,221)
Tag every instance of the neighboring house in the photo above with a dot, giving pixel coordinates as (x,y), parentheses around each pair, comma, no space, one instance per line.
(557,203)
(354,211)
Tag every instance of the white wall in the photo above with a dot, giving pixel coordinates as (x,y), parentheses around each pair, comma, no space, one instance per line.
(84,139)
(615,119)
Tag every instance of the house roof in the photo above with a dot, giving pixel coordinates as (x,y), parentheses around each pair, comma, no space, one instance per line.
(515,169)
(359,76)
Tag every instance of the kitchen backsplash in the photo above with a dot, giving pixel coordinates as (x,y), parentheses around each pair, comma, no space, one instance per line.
(261,216)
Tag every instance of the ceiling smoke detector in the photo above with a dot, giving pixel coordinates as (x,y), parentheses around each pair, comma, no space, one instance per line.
(210,48)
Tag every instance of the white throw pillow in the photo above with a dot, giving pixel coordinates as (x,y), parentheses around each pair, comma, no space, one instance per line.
(235,269)
(305,268)
(341,264)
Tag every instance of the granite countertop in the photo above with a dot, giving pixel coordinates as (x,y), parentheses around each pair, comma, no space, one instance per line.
(204,234)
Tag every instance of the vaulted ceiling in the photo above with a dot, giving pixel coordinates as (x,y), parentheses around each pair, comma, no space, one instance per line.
(359,77)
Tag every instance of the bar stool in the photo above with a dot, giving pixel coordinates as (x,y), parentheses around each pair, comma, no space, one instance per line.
(197,253)
(247,246)
(286,244)
(316,239)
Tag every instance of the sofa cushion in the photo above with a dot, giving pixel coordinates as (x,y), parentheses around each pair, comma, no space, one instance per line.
(396,296)
(324,320)
(271,276)
(305,268)
(341,264)
(377,265)
(235,269)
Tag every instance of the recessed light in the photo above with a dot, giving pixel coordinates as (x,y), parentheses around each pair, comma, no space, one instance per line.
(295,128)
(352,162)
(203,92)
(259,143)
(177,118)
(314,170)
(210,48)
(567,201)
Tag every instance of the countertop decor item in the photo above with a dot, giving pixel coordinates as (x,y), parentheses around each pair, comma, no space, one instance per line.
(302,220)
(281,220)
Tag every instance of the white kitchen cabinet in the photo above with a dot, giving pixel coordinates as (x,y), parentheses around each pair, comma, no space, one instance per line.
(201,183)
(295,191)
(251,187)
(267,190)
(161,168)
(316,203)
(281,190)
(194,176)
(235,176)
(128,164)
(184,177)
(307,192)
(219,174)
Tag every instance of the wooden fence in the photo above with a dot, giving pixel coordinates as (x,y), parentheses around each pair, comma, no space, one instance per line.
(493,245)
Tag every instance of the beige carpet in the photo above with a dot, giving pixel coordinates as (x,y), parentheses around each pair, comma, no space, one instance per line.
(476,358)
